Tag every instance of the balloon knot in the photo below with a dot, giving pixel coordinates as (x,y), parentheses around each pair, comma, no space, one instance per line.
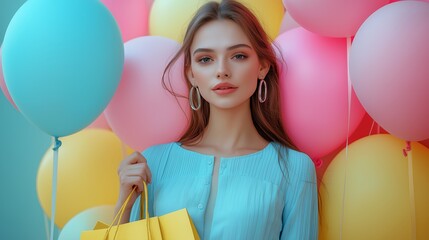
(407,148)
(57,144)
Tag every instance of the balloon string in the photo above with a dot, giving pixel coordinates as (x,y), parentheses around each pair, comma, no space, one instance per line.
(408,153)
(349,91)
(372,126)
(46,225)
(54,184)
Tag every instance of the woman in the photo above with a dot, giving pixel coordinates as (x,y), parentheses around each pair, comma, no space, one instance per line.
(234,169)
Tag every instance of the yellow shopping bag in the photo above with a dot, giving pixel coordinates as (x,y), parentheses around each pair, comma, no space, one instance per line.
(175,225)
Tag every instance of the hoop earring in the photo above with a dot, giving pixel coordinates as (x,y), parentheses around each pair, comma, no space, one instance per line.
(263,84)
(191,100)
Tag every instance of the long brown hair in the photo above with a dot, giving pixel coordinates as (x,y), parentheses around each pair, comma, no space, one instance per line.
(266,116)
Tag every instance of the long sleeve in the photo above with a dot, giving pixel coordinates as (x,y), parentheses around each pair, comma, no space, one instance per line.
(300,214)
(255,198)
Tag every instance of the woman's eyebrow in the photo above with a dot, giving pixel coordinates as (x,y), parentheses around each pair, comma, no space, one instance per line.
(229,48)
(239,46)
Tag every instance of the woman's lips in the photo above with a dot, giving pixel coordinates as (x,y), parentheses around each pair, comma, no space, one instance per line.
(224,88)
(225,91)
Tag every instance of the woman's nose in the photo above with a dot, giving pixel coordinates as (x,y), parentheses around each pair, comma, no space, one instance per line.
(222,75)
(223,71)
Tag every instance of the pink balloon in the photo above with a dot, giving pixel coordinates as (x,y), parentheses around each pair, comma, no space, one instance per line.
(288,23)
(3,85)
(132,16)
(389,68)
(332,18)
(100,122)
(142,113)
(314,92)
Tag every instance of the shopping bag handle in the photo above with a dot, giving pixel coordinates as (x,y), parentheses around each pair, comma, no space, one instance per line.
(119,215)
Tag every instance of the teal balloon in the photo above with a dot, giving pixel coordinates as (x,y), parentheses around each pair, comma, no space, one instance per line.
(62,62)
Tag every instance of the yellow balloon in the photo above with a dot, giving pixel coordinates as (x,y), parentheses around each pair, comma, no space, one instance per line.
(269,13)
(376,196)
(87,173)
(170,18)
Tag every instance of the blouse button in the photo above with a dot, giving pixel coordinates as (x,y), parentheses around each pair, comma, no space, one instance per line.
(210,162)
(200,206)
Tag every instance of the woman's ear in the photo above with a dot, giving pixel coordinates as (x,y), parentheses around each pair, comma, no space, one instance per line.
(190,75)
(263,69)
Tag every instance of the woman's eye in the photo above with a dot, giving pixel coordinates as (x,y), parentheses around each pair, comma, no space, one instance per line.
(204,60)
(240,56)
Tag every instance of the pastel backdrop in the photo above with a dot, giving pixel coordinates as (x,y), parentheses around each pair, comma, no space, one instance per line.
(21,147)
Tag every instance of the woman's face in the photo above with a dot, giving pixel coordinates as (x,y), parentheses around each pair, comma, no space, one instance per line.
(224,65)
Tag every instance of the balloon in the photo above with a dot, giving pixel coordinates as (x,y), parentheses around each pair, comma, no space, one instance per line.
(62,62)
(142,113)
(314,92)
(389,68)
(180,13)
(3,85)
(86,220)
(132,17)
(288,23)
(366,128)
(269,14)
(376,196)
(87,173)
(100,122)
(332,18)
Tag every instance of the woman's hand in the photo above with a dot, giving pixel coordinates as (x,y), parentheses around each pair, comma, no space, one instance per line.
(132,171)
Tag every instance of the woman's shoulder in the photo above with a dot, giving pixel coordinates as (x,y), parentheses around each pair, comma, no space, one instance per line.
(292,154)
(158,151)
(299,164)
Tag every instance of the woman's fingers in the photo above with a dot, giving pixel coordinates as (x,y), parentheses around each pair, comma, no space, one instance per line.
(135,165)
(133,158)
(139,169)
(131,181)
(132,171)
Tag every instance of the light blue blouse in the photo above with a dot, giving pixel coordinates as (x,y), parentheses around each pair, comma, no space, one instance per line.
(257,197)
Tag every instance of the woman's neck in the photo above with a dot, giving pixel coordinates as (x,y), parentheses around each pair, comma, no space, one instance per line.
(232,130)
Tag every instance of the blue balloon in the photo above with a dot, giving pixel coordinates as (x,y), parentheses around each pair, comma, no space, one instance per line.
(62,62)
